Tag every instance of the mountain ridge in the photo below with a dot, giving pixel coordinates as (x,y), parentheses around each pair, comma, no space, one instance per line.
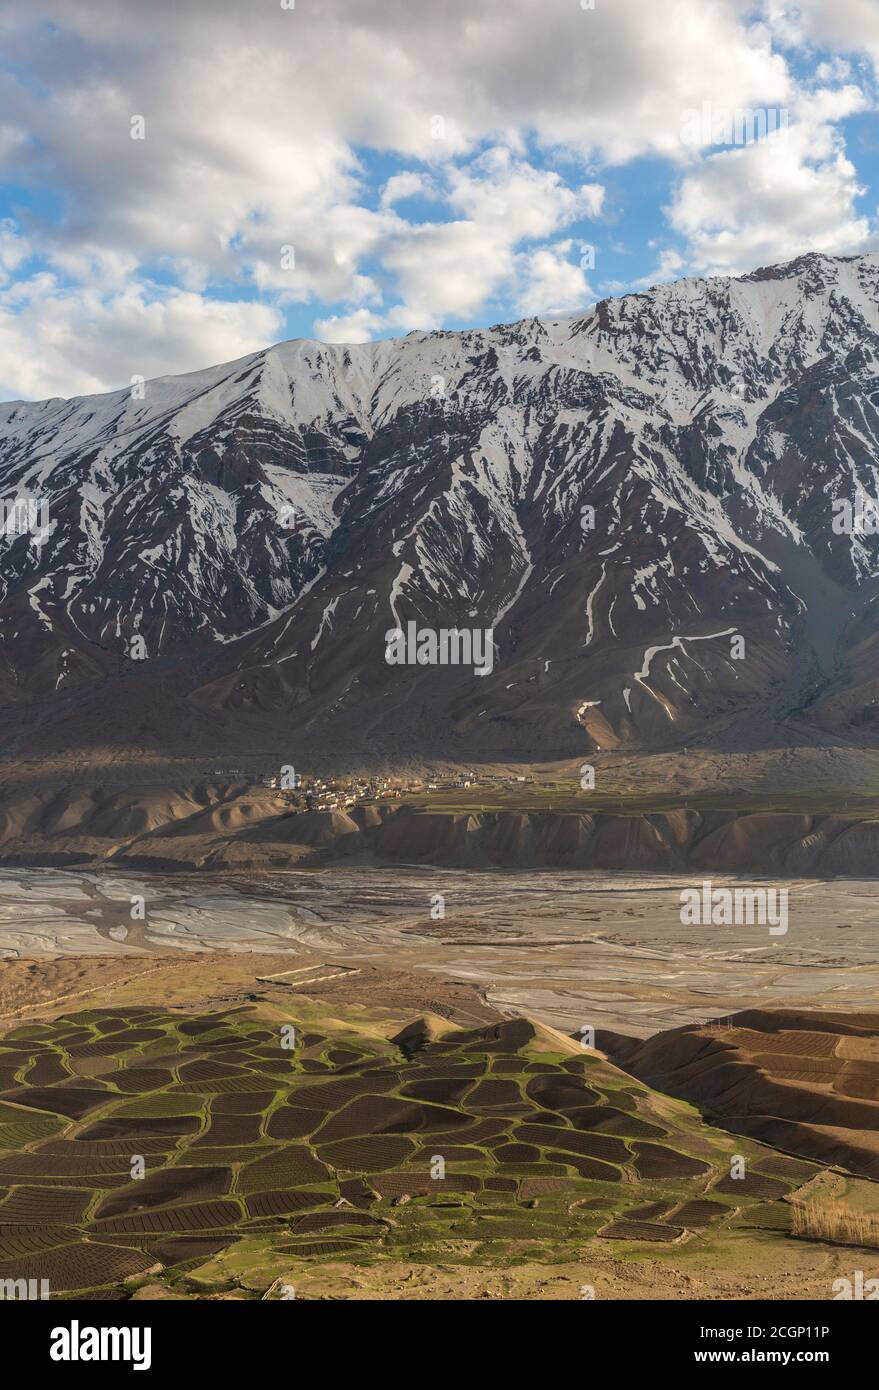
(617,496)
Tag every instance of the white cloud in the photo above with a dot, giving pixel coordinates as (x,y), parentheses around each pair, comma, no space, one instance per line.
(552,284)
(260,120)
(406,185)
(770,201)
(455,268)
(846,26)
(253,113)
(57,341)
(360,326)
(670,264)
(498,190)
(13,250)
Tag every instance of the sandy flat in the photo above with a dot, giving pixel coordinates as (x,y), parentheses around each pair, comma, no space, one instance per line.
(577,949)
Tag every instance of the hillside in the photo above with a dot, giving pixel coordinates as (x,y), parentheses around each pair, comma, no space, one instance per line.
(807,1082)
(638,503)
(445,1150)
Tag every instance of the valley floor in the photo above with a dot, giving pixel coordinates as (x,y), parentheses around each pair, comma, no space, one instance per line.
(420,997)
(606,950)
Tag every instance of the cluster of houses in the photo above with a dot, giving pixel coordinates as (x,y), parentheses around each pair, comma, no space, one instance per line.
(327,794)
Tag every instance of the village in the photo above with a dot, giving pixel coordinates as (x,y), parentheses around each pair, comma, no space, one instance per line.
(327,794)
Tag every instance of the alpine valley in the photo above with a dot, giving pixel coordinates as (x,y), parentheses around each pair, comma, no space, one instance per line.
(644,506)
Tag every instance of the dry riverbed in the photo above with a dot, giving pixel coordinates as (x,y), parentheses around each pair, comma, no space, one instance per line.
(573,948)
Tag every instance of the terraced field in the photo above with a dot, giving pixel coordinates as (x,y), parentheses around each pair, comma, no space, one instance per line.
(807,1081)
(205,1154)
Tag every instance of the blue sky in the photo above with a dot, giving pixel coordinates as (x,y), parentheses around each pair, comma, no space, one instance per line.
(354,171)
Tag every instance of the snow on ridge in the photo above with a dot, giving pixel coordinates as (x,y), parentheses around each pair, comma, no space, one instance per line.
(619,393)
(759,298)
(676,642)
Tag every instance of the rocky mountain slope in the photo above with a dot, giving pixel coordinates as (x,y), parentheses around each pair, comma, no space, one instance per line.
(640,504)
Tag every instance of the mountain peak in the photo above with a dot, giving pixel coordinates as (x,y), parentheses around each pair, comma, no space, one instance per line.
(617,498)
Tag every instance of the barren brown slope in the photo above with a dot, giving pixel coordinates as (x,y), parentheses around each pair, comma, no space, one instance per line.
(805,1082)
(217,823)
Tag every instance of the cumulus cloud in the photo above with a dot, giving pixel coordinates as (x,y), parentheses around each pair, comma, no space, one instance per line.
(83,340)
(669,265)
(774,199)
(843,26)
(407,185)
(360,326)
(13,250)
(288,156)
(456,267)
(550,283)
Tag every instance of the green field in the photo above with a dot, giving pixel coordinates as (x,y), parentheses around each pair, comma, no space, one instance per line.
(502,1144)
(611,798)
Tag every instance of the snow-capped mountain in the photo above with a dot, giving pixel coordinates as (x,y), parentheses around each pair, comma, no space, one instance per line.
(645,506)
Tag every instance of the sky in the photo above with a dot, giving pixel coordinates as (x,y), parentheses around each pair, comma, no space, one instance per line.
(187,181)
